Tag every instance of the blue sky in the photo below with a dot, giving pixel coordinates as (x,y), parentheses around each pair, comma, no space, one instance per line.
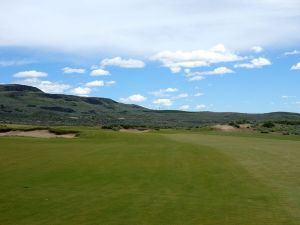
(210,56)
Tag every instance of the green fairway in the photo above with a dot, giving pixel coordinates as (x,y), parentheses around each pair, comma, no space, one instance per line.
(155,178)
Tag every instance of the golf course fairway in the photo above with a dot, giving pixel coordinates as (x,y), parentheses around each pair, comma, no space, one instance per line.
(156,178)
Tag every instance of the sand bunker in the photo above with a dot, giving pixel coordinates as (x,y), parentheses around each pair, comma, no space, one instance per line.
(134,131)
(224,127)
(245,126)
(36,133)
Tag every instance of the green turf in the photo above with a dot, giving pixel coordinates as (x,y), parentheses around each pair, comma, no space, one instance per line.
(160,178)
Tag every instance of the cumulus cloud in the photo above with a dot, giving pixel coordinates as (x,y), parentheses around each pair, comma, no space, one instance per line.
(123,63)
(184,107)
(81,91)
(196,78)
(165,102)
(96,83)
(257,49)
(255,63)
(100,83)
(45,86)
(201,107)
(99,72)
(295,52)
(110,83)
(217,71)
(136,98)
(177,60)
(73,70)
(183,95)
(296,67)
(164,92)
(198,94)
(30,74)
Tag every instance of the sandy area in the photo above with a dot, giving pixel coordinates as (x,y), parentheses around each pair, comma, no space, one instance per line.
(36,133)
(245,126)
(224,127)
(134,131)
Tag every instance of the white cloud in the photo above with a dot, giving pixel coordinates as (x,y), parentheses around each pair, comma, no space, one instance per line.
(164,92)
(4,63)
(81,91)
(148,25)
(46,86)
(217,71)
(196,78)
(255,63)
(136,98)
(184,107)
(287,96)
(257,49)
(201,107)
(110,83)
(295,52)
(296,67)
(177,60)
(100,83)
(187,70)
(198,94)
(183,95)
(163,102)
(175,68)
(30,74)
(123,63)
(73,70)
(96,83)
(99,72)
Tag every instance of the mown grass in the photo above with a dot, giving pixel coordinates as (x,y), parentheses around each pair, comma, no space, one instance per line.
(106,177)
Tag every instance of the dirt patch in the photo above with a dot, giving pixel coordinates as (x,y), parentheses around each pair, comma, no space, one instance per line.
(245,126)
(36,133)
(134,131)
(224,127)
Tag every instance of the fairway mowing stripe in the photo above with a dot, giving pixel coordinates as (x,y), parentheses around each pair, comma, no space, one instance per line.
(275,164)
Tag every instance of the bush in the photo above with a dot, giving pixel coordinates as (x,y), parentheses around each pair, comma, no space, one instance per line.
(61,132)
(233,124)
(268,124)
(264,132)
(4,129)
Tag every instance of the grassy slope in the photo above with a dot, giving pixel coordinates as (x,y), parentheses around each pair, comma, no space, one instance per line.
(107,177)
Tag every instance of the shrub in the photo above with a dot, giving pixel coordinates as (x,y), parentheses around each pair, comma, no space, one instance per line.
(268,124)
(264,132)
(233,124)
(4,129)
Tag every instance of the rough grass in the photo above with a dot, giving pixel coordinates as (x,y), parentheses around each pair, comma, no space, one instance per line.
(106,177)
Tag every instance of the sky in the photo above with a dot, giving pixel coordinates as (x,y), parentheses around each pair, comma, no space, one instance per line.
(217,55)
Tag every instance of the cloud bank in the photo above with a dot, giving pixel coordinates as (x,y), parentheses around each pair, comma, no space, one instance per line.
(148,26)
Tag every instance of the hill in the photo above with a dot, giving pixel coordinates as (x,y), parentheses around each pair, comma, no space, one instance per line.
(25,104)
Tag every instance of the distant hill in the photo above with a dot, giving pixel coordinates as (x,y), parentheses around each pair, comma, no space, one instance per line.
(25,104)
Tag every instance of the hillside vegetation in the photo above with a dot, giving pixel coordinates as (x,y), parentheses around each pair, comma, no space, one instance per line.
(29,105)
